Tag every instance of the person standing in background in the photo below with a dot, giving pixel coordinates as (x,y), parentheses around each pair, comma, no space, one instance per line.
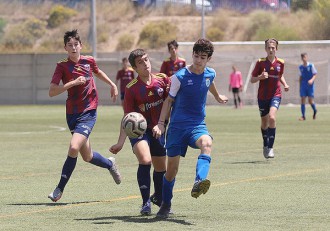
(124,76)
(236,85)
(174,62)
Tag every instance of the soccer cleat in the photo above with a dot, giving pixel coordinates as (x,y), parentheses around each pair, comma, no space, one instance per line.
(265,152)
(200,187)
(271,153)
(146,209)
(155,200)
(303,118)
(164,211)
(114,171)
(314,115)
(55,195)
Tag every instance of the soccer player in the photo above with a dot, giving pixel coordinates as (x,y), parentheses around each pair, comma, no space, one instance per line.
(174,62)
(146,95)
(76,73)
(235,85)
(308,74)
(187,101)
(269,73)
(124,76)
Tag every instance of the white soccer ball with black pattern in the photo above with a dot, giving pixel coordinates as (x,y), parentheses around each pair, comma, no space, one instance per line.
(134,124)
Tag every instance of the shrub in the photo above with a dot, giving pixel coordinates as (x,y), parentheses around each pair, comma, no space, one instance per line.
(320,26)
(60,14)
(25,35)
(125,42)
(301,5)
(257,20)
(157,34)
(279,32)
(215,34)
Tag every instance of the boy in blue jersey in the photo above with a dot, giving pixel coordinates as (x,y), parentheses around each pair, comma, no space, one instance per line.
(186,102)
(307,77)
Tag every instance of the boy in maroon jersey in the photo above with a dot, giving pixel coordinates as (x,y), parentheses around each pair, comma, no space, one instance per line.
(146,95)
(76,73)
(174,62)
(269,73)
(124,76)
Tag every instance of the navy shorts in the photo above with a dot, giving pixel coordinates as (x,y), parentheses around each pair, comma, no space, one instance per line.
(81,123)
(307,90)
(157,146)
(265,105)
(178,140)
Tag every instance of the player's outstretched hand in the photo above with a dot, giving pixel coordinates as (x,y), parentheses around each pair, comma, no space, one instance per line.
(114,149)
(223,99)
(286,88)
(158,130)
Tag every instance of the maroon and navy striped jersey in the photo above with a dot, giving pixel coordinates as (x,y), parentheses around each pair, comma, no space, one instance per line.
(169,67)
(147,99)
(271,87)
(80,98)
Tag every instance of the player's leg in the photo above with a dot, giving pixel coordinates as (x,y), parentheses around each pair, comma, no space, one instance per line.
(142,152)
(264,106)
(303,108)
(311,100)
(158,157)
(274,106)
(234,90)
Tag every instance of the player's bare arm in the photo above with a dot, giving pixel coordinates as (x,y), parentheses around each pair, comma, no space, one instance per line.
(121,141)
(113,88)
(55,89)
(283,81)
(217,96)
(159,129)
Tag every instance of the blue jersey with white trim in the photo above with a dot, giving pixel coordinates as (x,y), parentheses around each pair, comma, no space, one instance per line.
(190,100)
(306,73)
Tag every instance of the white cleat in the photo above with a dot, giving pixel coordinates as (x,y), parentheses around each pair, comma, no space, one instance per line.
(114,171)
(265,152)
(55,195)
(271,153)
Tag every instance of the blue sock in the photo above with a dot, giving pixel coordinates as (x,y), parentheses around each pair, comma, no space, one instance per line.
(313,107)
(68,167)
(100,161)
(144,179)
(264,134)
(271,132)
(168,190)
(303,109)
(158,183)
(202,166)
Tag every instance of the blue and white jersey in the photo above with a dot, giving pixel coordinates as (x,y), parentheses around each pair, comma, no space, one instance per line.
(189,92)
(306,73)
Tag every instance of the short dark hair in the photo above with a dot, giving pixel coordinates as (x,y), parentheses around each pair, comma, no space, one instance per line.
(134,54)
(203,46)
(271,40)
(172,43)
(71,34)
(303,54)
(124,59)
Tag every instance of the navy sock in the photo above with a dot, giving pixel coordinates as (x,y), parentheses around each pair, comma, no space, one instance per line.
(168,190)
(100,161)
(313,107)
(144,179)
(202,166)
(158,183)
(265,136)
(271,132)
(303,109)
(68,167)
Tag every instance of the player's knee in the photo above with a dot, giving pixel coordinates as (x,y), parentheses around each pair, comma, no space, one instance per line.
(74,149)
(206,145)
(272,119)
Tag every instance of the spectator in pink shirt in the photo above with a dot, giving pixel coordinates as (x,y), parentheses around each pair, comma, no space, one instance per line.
(235,85)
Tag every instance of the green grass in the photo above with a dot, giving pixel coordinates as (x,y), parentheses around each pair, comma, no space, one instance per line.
(290,192)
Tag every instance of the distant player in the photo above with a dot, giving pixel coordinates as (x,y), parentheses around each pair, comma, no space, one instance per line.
(124,76)
(174,62)
(76,74)
(308,74)
(236,85)
(269,73)
(146,95)
(187,101)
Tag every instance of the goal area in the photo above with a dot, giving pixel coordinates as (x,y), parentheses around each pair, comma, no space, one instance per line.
(244,56)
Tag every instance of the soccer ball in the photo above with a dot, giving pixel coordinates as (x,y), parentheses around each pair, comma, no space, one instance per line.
(134,124)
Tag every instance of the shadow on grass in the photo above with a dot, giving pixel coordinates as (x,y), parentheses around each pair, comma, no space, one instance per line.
(248,162)
(135,219)
(55,203)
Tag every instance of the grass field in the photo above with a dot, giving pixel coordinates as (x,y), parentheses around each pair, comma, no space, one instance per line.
(290,192)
